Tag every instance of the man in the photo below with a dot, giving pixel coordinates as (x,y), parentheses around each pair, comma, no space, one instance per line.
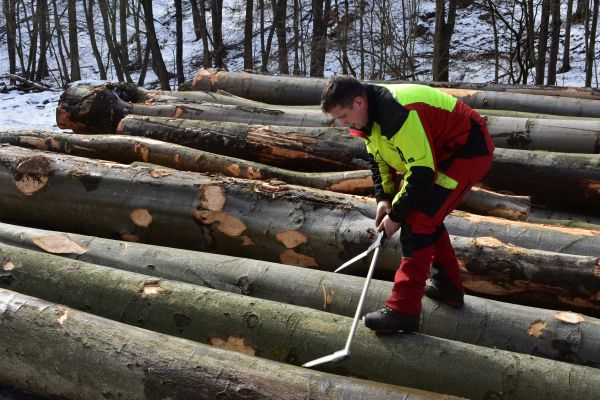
(441,148)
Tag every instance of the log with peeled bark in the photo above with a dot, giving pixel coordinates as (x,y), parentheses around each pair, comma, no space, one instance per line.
(289,90)
(508,326)
(127,150)
(43,341)
(98,109)
(290,333)
(283,223)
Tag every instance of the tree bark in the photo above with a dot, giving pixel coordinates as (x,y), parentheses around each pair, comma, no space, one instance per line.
(128,150)
(158,63)
(444,28)
(554,43)
(591,44)
(279,20)
(118,360)
(123,36)
(119,71)
(282,223)
(216,8)
(566,61)
(307,91)
(73,41)
(248,35)
(507,326)
(179,42)
(286,333)
(540,64)
(9,10)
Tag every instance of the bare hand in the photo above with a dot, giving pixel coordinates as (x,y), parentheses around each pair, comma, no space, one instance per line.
(389,226)
(383,207)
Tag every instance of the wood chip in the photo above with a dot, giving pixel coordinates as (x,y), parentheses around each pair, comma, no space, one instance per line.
(58,244)
(569,317)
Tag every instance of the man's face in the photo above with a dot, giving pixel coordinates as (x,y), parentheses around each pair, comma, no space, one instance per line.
(356,115)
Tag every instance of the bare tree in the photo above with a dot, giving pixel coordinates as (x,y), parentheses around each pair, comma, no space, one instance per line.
(9,10)
(201,29)
(42,17)
(318,48)
(555,37)
(89,18)
(158,63)
(179,42)
(444,28)
(248,35)
(63,70)
(279,20)
(297,11)
(540,65)
(123,33)
(580,11)
(216,8)
(590,40)
(73,41)
(566,60)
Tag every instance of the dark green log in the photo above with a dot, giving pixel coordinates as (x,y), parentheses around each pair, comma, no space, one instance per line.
(507,325)
(126,149)
(290,90)
(292,334)
(65,353)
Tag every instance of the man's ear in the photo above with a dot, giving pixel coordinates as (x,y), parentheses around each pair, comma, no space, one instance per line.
(359,101)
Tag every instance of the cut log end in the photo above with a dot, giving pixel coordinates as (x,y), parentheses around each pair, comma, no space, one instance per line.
(291,257)
(141,217)
(569,317)
(291,239)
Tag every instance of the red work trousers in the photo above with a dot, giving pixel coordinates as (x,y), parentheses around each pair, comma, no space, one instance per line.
(424,237)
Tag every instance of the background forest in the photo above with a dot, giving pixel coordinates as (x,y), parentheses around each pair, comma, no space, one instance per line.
(162,43)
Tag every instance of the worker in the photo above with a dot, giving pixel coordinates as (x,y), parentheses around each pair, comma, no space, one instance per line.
(426,150)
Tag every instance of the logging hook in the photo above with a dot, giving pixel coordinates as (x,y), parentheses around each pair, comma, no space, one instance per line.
(343,354)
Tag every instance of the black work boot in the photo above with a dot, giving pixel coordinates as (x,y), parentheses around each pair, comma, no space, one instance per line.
(440,288)
(387,320)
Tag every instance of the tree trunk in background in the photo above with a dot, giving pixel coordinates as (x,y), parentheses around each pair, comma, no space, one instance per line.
(137,15)
(279,20)
(216,9)
(61,59)
(179,42)
(42,16)
(248,35)
(124,46)
(9,10)
(540,65)
(33,43)
(566,61)
(158,63)
(318,45)
(109,40)
(554,43)
(296,42)
(207,54)
(73,41)
(580,11)
(89,19)
(591,48)
(444,28)
(115,360)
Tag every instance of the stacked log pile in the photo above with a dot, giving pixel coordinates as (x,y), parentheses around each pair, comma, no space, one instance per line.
(180,245)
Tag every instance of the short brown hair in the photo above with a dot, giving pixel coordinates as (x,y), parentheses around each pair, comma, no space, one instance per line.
(341,91)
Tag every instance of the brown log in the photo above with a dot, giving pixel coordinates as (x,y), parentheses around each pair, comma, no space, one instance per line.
(62,352)
(126,149)
(507,324)
(290,90)
(285,332)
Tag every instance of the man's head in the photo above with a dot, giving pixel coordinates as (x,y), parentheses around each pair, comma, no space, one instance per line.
(345,98)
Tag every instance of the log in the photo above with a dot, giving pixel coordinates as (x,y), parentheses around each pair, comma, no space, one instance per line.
(114,360)
(281,223)
(540,174)
(293,334)
(290,90)
(127,150)
(567,181)
(565,136)
(98,109)
(296,148)
(507,325)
